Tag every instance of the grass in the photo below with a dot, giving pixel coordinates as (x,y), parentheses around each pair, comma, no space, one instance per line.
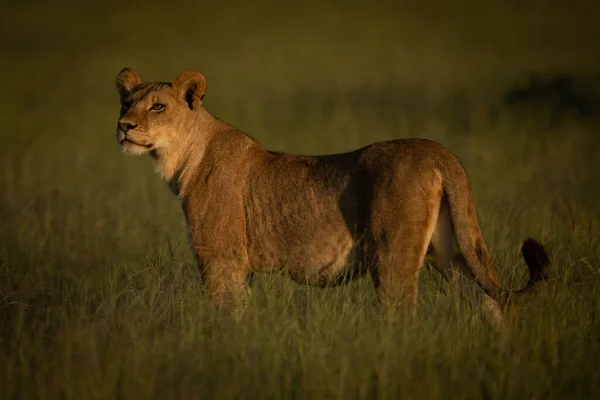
(99,297)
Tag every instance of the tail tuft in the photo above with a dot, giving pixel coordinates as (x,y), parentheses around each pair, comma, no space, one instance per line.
(536,259)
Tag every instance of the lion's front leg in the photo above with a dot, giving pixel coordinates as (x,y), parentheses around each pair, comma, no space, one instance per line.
(226,282)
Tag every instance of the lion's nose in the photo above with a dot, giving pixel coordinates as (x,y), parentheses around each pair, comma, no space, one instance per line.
(126,126)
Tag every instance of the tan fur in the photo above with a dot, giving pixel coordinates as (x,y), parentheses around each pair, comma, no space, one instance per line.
(319,219)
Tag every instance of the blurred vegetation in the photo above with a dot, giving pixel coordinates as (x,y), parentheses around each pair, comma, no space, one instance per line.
(99,297)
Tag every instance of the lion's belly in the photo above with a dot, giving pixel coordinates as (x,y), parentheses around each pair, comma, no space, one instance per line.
(324,264)
(321,260)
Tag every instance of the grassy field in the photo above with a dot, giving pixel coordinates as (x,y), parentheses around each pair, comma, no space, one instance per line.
(99,297)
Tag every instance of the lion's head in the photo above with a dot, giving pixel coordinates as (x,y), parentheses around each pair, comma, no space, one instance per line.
(153,115)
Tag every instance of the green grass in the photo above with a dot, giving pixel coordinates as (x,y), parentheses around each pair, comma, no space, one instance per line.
(99,297)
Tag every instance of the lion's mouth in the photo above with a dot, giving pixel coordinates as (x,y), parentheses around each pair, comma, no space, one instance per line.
(126,140)
(129,141)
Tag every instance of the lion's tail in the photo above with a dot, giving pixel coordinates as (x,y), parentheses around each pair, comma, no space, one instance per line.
(471,244)
(537,261)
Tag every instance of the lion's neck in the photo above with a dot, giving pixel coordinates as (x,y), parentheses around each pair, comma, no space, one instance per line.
(177,163)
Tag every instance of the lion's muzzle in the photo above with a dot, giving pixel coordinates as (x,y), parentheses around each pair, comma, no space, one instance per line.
(125,138)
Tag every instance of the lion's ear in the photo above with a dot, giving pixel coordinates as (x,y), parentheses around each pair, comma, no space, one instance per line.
(192,86)
(127,80)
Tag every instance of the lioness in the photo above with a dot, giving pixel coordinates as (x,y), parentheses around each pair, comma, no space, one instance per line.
(319,219)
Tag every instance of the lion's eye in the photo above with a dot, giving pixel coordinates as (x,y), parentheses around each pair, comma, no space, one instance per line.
(157,107)
(126,106)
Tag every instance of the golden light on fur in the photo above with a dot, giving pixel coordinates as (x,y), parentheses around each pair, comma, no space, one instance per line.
(320,220)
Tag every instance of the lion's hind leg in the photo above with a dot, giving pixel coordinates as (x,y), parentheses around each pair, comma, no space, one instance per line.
(451,265)
(399,255)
